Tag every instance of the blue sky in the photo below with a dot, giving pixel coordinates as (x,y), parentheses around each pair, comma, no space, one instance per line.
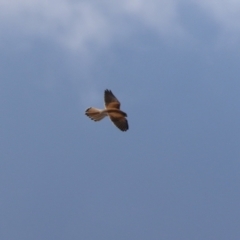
(174,65)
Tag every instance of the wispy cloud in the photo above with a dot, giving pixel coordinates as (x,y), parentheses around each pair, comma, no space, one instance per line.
(74,25)
(226,14)
(89,24)
(85,24)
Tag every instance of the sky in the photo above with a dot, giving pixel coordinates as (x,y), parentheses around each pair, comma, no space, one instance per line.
(174,66)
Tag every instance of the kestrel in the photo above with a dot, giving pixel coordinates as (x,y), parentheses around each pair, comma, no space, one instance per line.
(112,109)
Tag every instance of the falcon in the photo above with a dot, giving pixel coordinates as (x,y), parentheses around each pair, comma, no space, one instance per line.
(112,109)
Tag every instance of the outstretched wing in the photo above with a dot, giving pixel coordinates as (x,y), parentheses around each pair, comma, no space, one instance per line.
(110,100)
(118,118)
(121,123)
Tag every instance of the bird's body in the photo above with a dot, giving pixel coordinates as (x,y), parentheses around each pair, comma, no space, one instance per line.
(112,109)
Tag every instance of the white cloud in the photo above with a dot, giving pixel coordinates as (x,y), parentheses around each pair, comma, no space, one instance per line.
(88,24)
(226,14)
(84,24)
(71,24)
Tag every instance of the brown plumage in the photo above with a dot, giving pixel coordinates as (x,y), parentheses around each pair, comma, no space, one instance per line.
(112,109)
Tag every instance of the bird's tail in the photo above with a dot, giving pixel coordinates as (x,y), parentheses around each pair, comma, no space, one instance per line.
(95,114)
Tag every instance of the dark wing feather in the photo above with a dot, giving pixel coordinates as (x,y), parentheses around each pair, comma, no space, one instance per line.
(110,100)
(121,123)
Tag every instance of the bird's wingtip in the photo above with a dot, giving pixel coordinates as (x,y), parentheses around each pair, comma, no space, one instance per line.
(87,110)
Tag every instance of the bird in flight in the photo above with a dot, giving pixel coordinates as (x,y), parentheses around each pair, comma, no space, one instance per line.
(112,109)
